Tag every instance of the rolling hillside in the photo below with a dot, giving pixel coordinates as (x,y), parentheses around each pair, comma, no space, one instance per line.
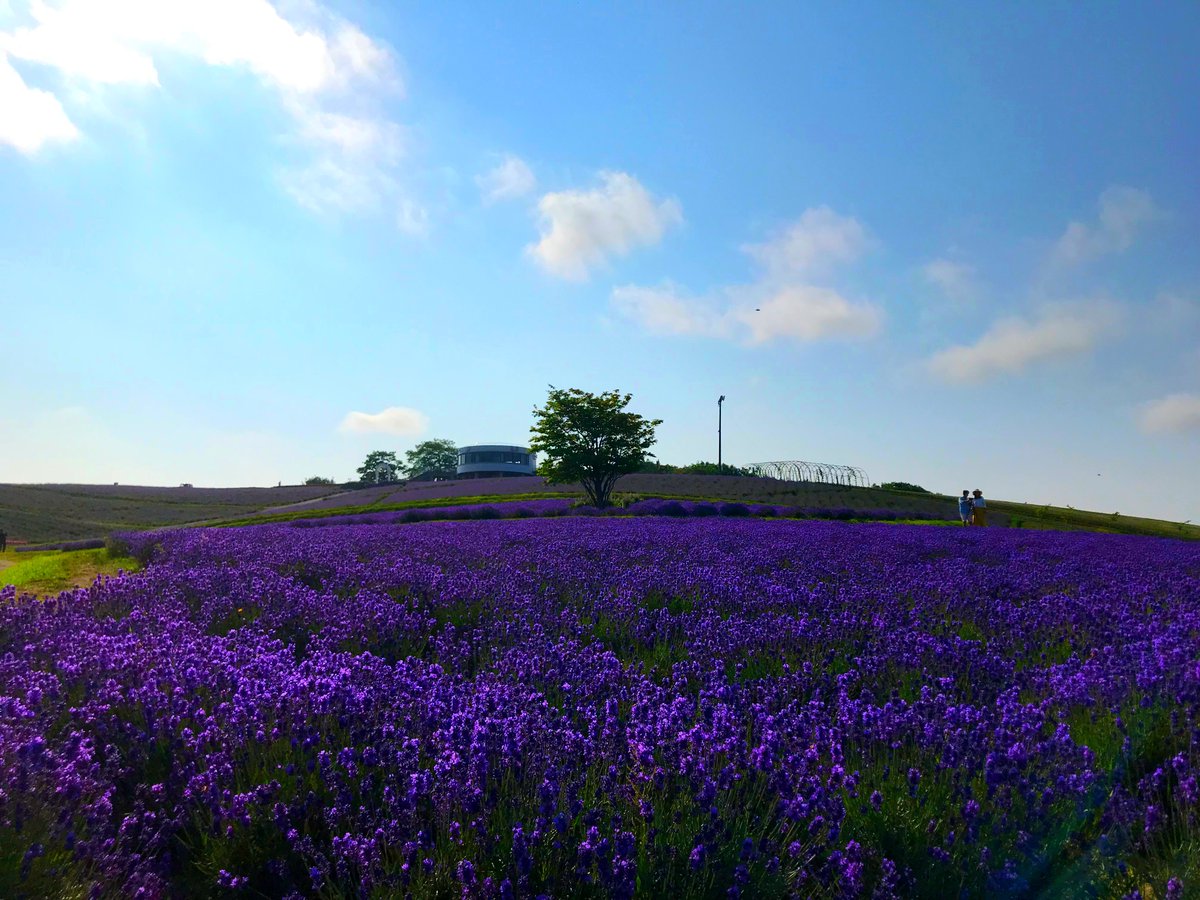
(57,512)
(60,512)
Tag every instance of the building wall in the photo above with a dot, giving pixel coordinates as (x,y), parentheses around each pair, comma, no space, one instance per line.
(492,460)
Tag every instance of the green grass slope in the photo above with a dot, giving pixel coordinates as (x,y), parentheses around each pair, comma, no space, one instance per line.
(54,571)
(1028,515)
(57,512)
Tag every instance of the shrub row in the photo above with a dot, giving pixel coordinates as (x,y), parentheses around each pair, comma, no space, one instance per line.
(142,545)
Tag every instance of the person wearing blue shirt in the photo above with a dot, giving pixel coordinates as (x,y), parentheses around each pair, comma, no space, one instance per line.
(965,507)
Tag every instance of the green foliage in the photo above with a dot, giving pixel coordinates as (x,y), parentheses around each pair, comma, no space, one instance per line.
(436,455)
(711,468)
(48,567)
(318,479)
(591,439)
(654,467)
(903,486)
(380,467)
(1061,518)
(46,573)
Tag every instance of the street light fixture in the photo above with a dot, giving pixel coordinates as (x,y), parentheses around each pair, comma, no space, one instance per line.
(720,467)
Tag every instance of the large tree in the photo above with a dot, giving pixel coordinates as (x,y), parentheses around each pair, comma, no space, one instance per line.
(435,455)
(379,467)
(591,439)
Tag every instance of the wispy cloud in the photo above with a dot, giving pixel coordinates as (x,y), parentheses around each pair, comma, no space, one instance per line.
(954,279)
(817,241)
(394,420)
(804,312)
(581,230)
(779,304)
(412,219)
(511,179)
(1175,413)
(1013,344)
(1124,211)
(665,310)
(329,76)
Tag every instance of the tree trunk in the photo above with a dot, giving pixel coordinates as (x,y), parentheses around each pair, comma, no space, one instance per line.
(599,489)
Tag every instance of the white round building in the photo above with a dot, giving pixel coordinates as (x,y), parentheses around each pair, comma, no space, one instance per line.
(495,461)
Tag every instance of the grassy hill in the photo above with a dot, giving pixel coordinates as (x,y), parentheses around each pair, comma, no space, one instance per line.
(49,573)
(1029,515)
(58,512)
(708,487)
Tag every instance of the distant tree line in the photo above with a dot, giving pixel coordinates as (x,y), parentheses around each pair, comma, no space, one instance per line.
(654,467)
(437,457)
(903,486)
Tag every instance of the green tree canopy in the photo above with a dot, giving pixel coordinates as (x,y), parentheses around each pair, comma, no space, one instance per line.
(436,455)
(380,467)
(654,467)
(590,438)
(318,479)
(903,486)
(711,468)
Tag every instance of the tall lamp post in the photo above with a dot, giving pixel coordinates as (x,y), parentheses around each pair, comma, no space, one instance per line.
(720,468)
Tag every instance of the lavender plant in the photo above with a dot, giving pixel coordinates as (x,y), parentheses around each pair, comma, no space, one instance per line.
(597,706)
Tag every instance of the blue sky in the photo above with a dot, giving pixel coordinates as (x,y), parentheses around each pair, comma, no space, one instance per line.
(245,241)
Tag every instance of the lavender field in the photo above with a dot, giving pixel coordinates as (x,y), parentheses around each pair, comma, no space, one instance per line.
(609,707)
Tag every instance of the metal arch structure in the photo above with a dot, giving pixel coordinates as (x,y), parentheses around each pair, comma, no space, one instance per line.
(820,473)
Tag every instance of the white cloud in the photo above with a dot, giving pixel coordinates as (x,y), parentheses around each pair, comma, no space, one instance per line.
(328,186)
(819,240)
(30,118)
(809,313)
(775,306)
(412,219)
(583,229)
(1013,344)
(78,40)
(802,313)
(1123,212)
(393,420)
(328,75)
(512,178)
(356,137)
(1176,312)
(663,310)
(354,161)
(955,280)
(1173,413)
(115,42)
